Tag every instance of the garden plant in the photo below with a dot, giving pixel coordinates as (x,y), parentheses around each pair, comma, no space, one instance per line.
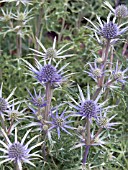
(63,85)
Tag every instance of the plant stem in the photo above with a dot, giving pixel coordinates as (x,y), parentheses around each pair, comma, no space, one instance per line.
(48,100)
(87,143)
(111,58)
(104,62)
(98,132)
(86,154)
(19,46)
(17,167)
(96,93)
(2,123)
(9,129)
(38,26)
(88,132)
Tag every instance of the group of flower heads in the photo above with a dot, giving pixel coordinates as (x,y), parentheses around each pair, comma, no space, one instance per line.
(48,73)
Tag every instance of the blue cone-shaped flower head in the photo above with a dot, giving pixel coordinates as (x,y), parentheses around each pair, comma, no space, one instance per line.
(48,73)
(109,30)
(121,11)
(87,108)
(60,122)
(19,151)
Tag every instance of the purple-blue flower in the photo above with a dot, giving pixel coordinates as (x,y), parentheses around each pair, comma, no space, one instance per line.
(37,100)
(18,152)
(59,122)
(109,30)
(87,108)
(48,73)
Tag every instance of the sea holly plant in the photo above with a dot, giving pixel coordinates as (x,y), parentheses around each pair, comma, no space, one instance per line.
(86,116)
(107,34)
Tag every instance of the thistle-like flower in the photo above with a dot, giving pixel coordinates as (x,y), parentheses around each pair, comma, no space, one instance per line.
(87,108)
(51,53)
(4,102)
(48,73)
(7,15)
(19,151)
(95,72)
(23,16)
(118,74)
(121,11)
(14,114)
(37,100)
(59,122)
(104,122)
(109,30)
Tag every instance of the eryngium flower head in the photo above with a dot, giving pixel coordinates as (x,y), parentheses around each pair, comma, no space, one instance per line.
(118,74)
(37,100)
(109,30)
(87,108)
(60,122)
(121,11)
(104,122)
(14,114)
(18,151)
(4,102)
(51,53)
(48,73)
(95,72)
(6,15)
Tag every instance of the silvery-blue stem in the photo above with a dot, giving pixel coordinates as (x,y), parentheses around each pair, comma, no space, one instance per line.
(87,142)
(48,100)
(104,62)
(17,167)
(86,154)
(88,132)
